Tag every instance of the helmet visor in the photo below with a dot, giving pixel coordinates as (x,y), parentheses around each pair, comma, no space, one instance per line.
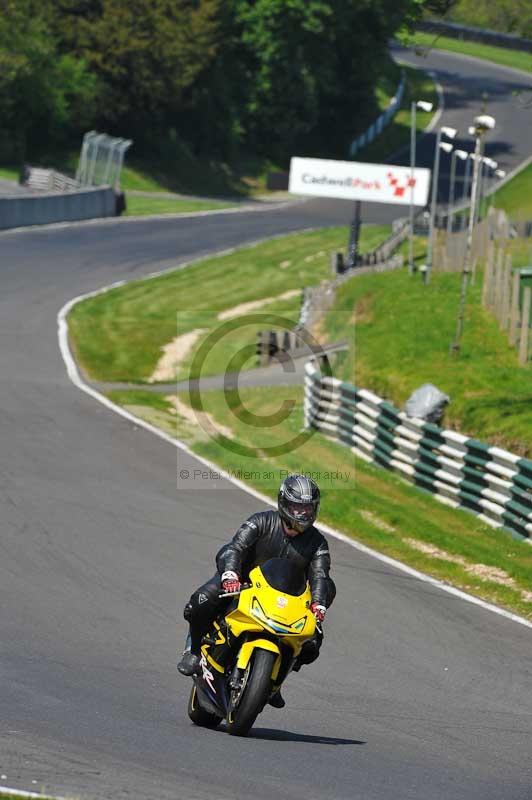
(302,512)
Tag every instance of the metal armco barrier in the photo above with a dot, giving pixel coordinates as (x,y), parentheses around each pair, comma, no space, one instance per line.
(494,484)
(376,128)
(17,212)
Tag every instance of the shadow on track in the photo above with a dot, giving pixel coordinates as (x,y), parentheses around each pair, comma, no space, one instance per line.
(287,736)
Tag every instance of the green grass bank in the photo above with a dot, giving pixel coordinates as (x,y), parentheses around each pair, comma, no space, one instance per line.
(118,335)
(498,55)
(516,196)
(403,329)
(146,205)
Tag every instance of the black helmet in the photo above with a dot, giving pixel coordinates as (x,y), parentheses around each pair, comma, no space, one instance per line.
(298,502)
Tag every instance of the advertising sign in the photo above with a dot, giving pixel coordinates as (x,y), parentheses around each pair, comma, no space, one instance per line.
(353,180)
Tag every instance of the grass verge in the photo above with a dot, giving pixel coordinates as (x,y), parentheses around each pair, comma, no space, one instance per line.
(498,55)
(368,503)
(515,197)
(9,173)
(139,206)
(403,329)
(419,86)
(118,335)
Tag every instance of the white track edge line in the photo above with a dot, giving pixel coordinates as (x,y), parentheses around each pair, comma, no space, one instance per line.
(20,793)
(75,377)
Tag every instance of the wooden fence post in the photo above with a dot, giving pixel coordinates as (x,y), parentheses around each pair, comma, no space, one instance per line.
(525,326)
(488,277)
(506,289)
(497,292)
(514,309)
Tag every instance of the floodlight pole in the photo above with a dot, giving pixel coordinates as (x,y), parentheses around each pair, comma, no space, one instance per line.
(433,201)
(483,123)
(450,133)
(413,106)
(451,193)
(467,182)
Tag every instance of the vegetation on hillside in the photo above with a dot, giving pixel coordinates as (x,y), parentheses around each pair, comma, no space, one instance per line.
(515,197)
(216,76)
(507,16)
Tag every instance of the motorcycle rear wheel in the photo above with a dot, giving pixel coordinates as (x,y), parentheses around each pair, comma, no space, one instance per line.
(256,693)
(198,715)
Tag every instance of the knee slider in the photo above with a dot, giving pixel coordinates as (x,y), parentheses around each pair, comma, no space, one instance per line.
(187,611)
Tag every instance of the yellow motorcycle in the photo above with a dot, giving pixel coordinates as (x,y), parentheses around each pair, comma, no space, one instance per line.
(252,647)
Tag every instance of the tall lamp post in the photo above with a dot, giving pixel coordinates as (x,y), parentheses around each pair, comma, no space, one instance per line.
(424,106)
(483,123)
(450,133)
(463,156)
(490,164)
(467,183)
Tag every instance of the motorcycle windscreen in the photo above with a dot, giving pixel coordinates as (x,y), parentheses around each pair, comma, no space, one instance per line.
(284,576)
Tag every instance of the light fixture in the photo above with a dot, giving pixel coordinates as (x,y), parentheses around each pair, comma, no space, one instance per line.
(449,132)
(484,122)
(446,147)
(424,106)
(461,154)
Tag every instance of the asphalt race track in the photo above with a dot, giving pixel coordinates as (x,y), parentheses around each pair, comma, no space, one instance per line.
(418,695)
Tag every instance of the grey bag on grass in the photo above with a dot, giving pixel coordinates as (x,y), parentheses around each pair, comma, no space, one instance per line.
(427,403)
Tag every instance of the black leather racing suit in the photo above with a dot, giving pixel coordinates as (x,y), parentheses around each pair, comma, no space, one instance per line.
(259,538)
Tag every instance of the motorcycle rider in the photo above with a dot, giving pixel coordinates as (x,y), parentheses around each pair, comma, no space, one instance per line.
(289,533)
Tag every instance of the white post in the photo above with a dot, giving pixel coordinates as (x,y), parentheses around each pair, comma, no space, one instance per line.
(467,182)
(451,194)
(483,123)
(424,106)
(450,133)
(412,166)
(433,201)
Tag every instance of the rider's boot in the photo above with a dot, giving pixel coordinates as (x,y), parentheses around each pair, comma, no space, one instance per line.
(277,700)
(189,664)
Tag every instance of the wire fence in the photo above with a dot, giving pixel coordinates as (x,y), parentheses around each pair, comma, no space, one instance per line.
(101,160)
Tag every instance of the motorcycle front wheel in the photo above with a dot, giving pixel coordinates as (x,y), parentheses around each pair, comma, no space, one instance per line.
(255,694)
(198,715)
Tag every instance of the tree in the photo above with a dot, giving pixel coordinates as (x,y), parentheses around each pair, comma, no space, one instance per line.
(145,54)
(42,94)
(307,68)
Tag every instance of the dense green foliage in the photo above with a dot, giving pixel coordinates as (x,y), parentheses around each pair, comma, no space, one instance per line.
(43,93)
(214,76)
(508,16)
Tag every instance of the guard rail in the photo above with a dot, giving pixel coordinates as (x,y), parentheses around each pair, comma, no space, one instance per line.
(461,472)
(381,122)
